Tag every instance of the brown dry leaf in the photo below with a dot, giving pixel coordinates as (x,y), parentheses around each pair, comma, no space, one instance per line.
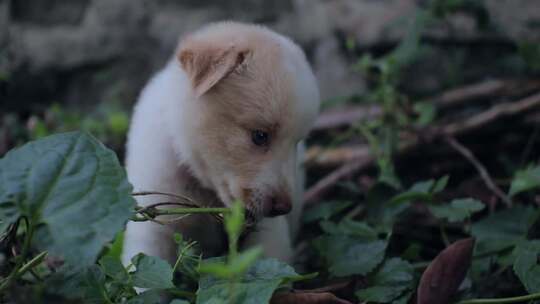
(443,276)
(306,298)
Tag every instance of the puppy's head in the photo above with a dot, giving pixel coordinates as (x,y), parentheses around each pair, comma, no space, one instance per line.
(254,99)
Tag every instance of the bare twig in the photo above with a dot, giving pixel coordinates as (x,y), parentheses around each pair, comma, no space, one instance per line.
(465,152)
(452,129)
(345,116)
(335,118)
(320,157)
(322,186)
(460,95)
(178,196)
(494,113)
(145,208)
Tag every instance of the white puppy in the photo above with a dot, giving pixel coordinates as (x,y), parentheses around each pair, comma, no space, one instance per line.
(223,122)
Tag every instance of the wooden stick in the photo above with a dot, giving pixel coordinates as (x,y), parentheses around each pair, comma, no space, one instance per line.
(318,156)
(452,129)
(480,168)
(335,118)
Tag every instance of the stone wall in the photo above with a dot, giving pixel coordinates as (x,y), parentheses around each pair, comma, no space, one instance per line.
(89,51)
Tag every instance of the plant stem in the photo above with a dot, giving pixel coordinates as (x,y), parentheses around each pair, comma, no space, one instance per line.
(150,214)
(173,211)
(32,263)
(444,236)
(16,272)
(530,297)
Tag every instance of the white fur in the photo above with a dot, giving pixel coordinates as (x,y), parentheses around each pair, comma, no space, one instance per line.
(159,145)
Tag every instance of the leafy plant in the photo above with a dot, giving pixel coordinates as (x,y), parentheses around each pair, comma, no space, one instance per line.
(72,181)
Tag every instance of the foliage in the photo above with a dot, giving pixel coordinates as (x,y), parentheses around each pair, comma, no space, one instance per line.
(39,182)
(64,200)
(73,197)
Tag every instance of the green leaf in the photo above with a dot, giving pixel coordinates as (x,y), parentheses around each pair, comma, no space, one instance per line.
(348,255)
(349,227)
(525,180)
(72,189)
(151,272)
(526,265)
(148,297)
(440,184)
(423,190)
(256,286)
(114,268)
(94,287)
(324,211)
(458,210)
(503,229)
(236,266)
(188,259)
(177,301)
(116,247)
(234,221)
(426,112)
(393,279)
(530,52)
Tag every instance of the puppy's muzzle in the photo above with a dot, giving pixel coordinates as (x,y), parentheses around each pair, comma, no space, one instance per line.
(278,204)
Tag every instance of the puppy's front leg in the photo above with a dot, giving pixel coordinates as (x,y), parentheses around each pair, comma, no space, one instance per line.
(273,236)
(149,238)
(150,167)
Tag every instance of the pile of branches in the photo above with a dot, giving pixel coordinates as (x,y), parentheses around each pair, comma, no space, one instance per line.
(495,111)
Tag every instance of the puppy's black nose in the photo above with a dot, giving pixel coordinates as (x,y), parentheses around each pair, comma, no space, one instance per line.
(280,204)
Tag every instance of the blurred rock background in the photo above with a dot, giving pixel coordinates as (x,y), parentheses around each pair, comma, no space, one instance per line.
(81,53)
(88,51)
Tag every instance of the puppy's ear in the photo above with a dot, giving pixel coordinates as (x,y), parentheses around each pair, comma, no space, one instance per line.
(207,64)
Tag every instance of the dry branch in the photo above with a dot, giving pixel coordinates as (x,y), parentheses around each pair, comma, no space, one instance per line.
(480,168)
(452,129)
(345,116)
(341,117)
(461,95)
(321,157)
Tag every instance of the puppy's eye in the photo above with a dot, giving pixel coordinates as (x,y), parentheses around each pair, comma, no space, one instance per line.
(260,138)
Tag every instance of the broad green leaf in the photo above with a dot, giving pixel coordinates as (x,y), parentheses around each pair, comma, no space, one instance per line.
(526,265)
(503,229)
(189,257)
(72,189)
(79,283)
(67,281)
(525,180)
(177,301)
(236,266)
(349,227)
(113,268)
(94,286)
(393,279)
(151,272)
(256,286)
(116,247)
(348,255)
(324,211)
(152,296)
(421,191)
(380,294)
(458,210)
